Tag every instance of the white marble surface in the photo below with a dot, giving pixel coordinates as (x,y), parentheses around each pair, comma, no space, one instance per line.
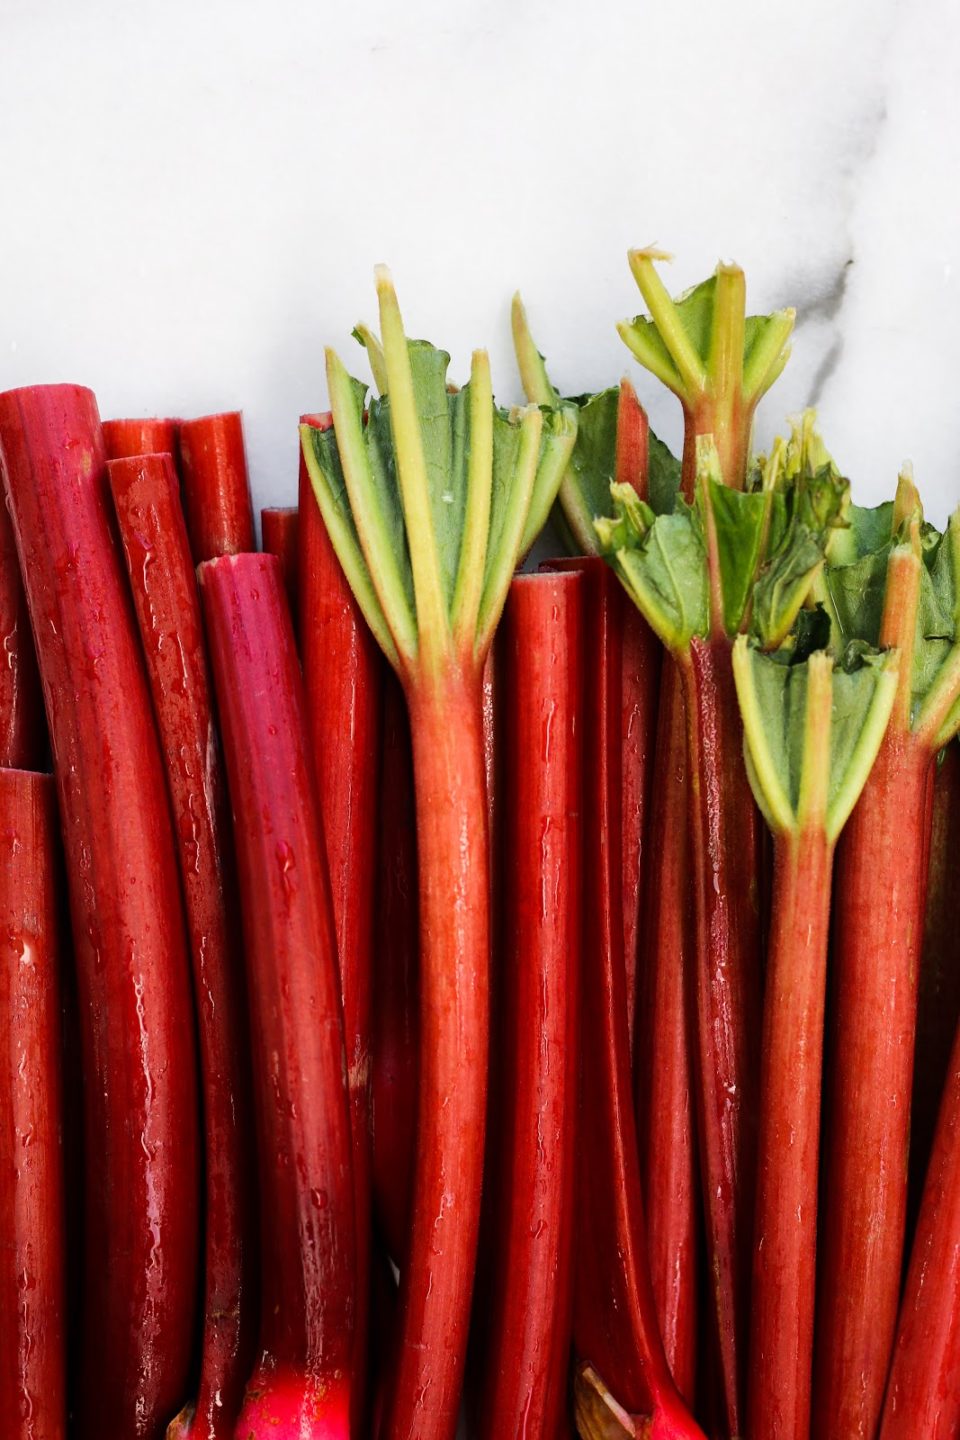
(194,196)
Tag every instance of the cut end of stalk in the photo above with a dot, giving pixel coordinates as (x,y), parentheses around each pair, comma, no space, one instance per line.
(648,253)
(283,1404)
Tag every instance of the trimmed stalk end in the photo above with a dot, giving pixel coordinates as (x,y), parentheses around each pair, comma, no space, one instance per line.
(283,1404)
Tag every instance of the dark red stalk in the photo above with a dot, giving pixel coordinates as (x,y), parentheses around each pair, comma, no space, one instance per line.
(642,653)
(785,1243)
(923,1391)
(663,1068)
(616,1326)
(938,1008)
(879,900)
(123,438)
(32,1199)
(446,722)
(301,1386)
(140,1086)
(342,673)
(523,1385)
(724,847)
(396,1015)
(23,738)
(167,606)
(279,529)
(216,490)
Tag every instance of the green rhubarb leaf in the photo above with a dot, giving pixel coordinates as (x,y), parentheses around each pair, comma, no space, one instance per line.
(584,492)
(661,561)
(739,519)
(430,494)
(812,731)
(715,358)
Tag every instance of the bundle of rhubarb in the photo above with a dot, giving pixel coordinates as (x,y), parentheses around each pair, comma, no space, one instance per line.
(441,996)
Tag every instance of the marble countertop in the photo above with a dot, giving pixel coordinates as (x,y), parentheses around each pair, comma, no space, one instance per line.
(194,197)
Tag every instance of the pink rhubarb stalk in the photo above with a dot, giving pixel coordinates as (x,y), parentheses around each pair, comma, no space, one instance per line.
(124,438)
(33,1398)
(301,1386)
(141,1240)
(167,606)
(23,738)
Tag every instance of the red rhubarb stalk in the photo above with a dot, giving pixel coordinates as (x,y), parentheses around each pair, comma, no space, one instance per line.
(811,735)
(216,490)
(523,1386)
(640,678)
(301,1386)
(342,671)
(615,1324)
(938,1001)
(879,908)
(430,561)
(663,1060)
(32,1256)
(923,1390)
(123,438)
(23,739)
(280,532)
(396,1013)
(698,347)
(167,606)
(140,1084)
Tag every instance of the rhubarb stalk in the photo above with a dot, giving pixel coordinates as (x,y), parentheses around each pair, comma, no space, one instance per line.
(811,735)
(33,1398)
(23,741)
(140,1086)
(615,1323)
(938,1000)
(923,1390)
(396,1014)
(125,438)
(216,490)
(428,505)
(719,362)
(902,595)
(280,532)
(167,606)
(523,1383)
(342,671)
(301,1386)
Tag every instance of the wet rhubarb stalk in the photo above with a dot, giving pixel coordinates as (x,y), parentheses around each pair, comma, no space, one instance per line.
(923,1390)
(216,490)
(141,1241)
(663,1058)
(615,1323)
(301,1385)
(125,438)
(429,556)
(719,363)
(613,440)
(167,606)
(523,1384)
(342,673)
(23,738)
(811,735)
(879,907)
(396,1014)
(280,533)
(33,1356)
(938,1001)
